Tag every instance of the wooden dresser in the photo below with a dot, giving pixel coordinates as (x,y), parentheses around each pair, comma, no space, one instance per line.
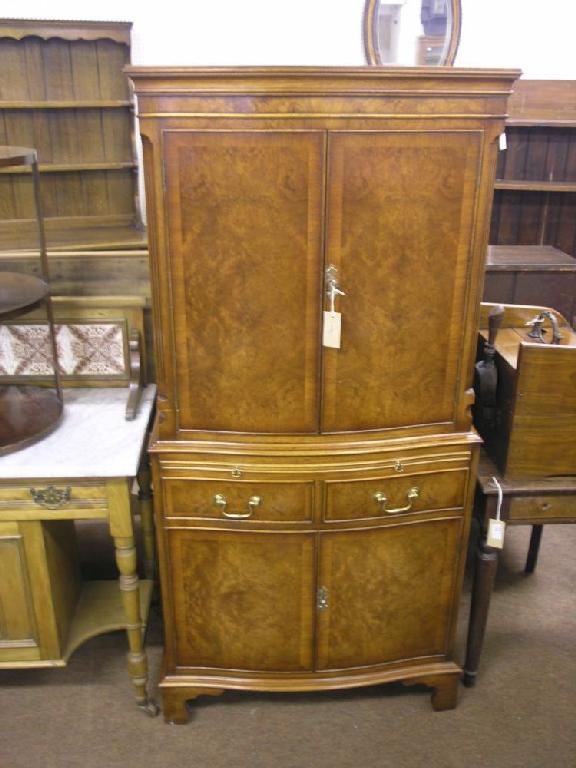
(313,500)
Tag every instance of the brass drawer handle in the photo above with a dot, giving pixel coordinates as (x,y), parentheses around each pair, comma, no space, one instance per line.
(253,502)
(381,500)
(51,497)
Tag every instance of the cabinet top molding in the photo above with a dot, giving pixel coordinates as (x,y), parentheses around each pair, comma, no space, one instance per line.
(450,78)
(426,92)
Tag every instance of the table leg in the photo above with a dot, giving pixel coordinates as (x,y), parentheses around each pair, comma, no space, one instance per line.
(534,548)
(123,534)
(486,565)
(147,518)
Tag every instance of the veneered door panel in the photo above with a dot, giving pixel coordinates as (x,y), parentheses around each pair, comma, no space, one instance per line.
(389,592)
(245,226)
(400,221)
(243,600)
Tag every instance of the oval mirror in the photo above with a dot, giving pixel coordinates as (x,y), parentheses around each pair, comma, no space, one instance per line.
(422,33)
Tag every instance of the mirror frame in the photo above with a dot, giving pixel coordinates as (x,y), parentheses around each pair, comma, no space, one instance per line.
(370,35)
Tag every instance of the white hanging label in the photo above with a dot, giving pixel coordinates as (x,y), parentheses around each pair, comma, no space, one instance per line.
(502,141)
(497,527)
(496,530)
(332,329)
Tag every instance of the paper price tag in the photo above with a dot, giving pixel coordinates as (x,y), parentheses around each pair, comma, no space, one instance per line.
(502,141)
(332,329)
(496,530)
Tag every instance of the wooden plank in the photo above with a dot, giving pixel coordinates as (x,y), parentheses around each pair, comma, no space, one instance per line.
(117,136)
(13,79)
(532,218)
(36,85)
(121,186)
(514,158)
(112,59)
(528,257)
(58,70)
(537,154)
(539,101)
(536,185)
(510,203)
(564,235)
(84,63)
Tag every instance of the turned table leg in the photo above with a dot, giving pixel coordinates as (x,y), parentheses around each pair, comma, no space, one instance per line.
(485,574)
(534,548)
(123,534)
(147,518)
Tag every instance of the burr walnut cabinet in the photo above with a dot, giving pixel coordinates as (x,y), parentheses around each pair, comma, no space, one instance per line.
(313,481)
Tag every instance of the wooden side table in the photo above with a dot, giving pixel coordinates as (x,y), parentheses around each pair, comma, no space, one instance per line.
(83,470)
(528,501)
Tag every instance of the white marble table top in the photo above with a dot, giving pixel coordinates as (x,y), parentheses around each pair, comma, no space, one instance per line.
(92,440)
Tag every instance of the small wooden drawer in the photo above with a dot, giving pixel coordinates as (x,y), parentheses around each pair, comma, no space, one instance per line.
(542,509)
(45,497)
(261,501)
(389,496)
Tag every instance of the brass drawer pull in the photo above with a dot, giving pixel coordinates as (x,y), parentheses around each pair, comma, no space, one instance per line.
(253,502)
(381,500)
(51,497)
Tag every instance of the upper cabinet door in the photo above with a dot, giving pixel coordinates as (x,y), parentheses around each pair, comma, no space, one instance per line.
(401,208)
(245,226)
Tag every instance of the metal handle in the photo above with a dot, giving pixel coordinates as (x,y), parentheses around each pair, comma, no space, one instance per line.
(538,331)
(332,287)
(381,500)
(221,501)
(51,497)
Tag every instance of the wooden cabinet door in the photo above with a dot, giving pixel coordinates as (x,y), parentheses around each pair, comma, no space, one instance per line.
(242,600)
(401,207)
(18,633)
(245,225)
(389,593)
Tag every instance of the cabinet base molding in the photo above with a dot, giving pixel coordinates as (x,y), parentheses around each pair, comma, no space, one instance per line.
(177,689)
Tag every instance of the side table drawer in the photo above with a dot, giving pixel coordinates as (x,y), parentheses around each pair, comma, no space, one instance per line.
(542,508)
(44,495)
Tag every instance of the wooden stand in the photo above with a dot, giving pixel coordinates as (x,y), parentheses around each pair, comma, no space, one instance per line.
(531,501)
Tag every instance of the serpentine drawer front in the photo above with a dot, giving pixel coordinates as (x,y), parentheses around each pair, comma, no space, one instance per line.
(260,501)
(387,497)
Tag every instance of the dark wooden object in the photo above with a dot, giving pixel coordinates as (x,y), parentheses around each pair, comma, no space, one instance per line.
(534,430)
(532,274)
(535,501)
(534,212)
(28,412)
(312,503)
(63,91)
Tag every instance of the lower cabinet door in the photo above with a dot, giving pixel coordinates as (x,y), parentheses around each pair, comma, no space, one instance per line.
(242,600)
(18,634)
(388,593)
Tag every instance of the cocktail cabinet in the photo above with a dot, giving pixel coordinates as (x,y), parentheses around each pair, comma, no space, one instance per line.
(317,246)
